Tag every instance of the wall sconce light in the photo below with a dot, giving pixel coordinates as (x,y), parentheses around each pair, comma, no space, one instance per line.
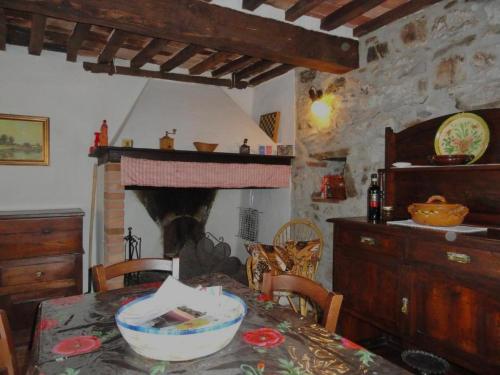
(319,107)
(315,94)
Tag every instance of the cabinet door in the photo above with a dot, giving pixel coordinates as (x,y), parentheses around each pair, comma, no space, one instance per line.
(456,320)
(370,287)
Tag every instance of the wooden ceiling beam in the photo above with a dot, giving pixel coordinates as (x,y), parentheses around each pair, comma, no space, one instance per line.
(347,13)
(392,15)
(233,66)
(270,74)
(209,63)
(3,30)
(252,4)
(253,69)
(181,57)
(179,20)
(80,33)
(122,70)
(38,23)
(115,41)
(154,47)
(300,8)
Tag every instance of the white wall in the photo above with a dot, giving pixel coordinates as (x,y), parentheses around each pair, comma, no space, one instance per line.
(275,95)
(76,102)
(204,113)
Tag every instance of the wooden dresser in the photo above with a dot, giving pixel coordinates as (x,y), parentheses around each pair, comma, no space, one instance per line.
(422,288)
(40,258)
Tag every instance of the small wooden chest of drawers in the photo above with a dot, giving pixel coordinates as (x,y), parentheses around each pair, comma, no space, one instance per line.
(40,258)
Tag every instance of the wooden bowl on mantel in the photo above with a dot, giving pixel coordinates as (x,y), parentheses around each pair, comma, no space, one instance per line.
(205,147)
(437,212)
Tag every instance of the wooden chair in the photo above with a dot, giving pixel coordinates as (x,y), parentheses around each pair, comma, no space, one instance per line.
(101,274)
(8,359)
(327,301)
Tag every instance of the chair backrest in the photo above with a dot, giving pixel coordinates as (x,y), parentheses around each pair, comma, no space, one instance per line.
(328,302)
(299,230)
(7,354)
(101,274)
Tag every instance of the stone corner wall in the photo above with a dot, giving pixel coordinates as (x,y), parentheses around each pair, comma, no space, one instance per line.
(440,60)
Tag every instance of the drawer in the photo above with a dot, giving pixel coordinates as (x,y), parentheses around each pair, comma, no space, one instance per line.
(40,226)
(13,246)
(456,258)
(372,241)
(37,270)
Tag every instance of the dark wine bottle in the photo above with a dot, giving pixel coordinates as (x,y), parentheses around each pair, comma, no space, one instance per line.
(374,200)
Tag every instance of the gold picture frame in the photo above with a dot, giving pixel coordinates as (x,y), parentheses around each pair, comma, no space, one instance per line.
(24,140)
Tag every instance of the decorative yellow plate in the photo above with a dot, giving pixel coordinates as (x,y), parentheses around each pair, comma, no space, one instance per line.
(463,133)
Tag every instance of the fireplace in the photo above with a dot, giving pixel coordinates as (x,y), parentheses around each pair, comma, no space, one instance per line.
(177,188)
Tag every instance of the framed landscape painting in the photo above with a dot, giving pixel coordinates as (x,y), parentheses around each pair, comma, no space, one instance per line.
(24,140)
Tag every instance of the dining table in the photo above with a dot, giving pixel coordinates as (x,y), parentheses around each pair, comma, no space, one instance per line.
(77,335)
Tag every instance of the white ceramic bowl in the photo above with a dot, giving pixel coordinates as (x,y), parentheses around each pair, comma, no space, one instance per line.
(170,344)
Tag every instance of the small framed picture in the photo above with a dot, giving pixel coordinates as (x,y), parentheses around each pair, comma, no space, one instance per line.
(127,142)
(24,140)
(284,150)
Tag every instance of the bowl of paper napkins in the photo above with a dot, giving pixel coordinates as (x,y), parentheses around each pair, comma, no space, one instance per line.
(179,323)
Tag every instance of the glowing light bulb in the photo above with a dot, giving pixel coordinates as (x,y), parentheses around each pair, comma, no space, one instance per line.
(321,109)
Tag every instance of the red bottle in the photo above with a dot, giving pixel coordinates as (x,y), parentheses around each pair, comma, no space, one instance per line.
(103,140)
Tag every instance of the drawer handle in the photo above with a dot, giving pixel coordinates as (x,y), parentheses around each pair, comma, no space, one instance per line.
(367,240)
(38,274)
(46,230)
(457,257)
(404,305)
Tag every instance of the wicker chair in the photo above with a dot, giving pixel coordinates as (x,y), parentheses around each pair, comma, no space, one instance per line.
(301,230)
(305,262)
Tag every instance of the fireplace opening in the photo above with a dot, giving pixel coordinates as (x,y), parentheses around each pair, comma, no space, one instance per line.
(182,214)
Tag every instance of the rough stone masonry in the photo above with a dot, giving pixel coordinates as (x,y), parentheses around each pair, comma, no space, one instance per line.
(440,60)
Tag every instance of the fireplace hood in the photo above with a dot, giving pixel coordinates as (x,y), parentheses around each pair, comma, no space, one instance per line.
(194,169)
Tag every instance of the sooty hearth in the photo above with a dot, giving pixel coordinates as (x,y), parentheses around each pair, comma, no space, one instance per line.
(182,213)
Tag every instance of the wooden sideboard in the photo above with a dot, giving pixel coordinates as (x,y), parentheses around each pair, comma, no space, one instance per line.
(40,258)
(414,285)
(422,287)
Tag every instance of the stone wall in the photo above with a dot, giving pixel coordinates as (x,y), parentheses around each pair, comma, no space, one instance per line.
(441,60)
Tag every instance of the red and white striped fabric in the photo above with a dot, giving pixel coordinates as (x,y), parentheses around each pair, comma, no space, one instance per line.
(157,173)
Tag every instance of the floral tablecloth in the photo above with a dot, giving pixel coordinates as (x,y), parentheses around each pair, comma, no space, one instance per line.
(77,335)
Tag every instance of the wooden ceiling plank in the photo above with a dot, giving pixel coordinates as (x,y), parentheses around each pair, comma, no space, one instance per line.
(270,74)
(38,23)
(80,33)
(181,57)
(110,69)
(236,31)
(115,41)
(209,63)
(253,69)
(392,15)
(348,12)
(300,8)
(252,4)
(154,47)
(3,30)
(233,66)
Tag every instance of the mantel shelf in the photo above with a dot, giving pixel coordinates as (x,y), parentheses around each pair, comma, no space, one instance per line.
(113,155)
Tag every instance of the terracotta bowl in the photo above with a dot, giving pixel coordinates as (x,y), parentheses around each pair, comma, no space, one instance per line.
(450,159)
(205,147)
(437,212)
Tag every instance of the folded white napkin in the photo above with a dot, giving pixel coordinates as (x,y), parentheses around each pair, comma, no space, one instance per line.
(172,294)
